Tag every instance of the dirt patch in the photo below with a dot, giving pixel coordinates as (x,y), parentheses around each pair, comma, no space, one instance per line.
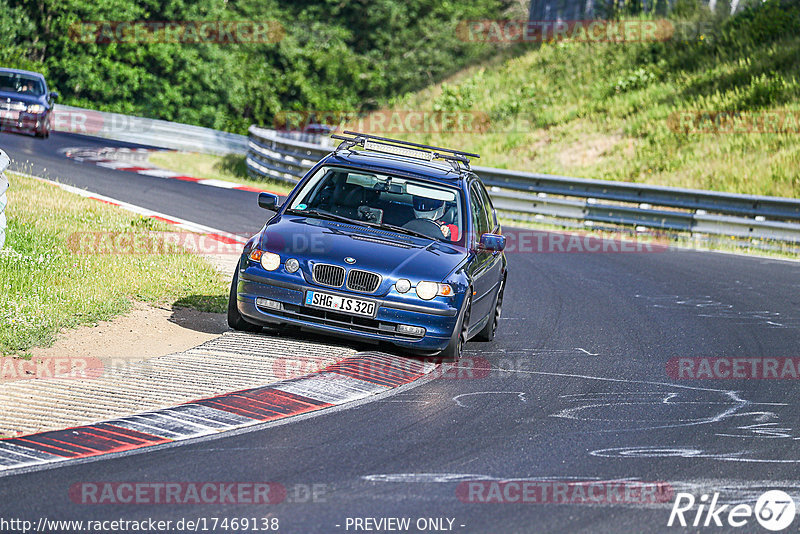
(588,151)
(145,332)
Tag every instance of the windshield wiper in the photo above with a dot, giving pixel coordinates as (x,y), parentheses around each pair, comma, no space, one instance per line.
(399,229)
(323,215)
(348,220)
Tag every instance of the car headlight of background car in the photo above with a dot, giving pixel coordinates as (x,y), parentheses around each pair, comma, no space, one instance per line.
(269,260)
(35,108)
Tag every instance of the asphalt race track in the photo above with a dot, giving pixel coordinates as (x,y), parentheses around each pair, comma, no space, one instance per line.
(202,204)
(575,388)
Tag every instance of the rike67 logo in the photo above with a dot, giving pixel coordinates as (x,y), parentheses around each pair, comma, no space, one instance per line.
(774,510)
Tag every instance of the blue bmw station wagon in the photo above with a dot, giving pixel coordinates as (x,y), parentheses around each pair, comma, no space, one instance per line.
(26,104)
(382,240)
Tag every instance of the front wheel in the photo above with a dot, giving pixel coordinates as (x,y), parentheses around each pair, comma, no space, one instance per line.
(453,351)
(44,132)
(235,319)
(487,332)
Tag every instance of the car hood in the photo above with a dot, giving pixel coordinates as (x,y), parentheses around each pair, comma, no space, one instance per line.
(385,252)
(19,97)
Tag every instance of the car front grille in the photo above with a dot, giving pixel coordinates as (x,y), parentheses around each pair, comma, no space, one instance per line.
(328,275)
(364,281)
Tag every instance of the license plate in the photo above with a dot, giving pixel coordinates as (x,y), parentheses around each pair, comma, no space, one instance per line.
(340,304)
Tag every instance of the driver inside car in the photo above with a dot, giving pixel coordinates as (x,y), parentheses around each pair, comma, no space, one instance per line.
(435,211)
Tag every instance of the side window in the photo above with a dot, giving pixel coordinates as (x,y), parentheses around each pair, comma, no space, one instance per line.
(487,201)
(480,221)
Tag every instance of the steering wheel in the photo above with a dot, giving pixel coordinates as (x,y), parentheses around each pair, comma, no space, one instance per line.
(425,226)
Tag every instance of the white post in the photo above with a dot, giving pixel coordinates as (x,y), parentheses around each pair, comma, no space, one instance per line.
(4,161)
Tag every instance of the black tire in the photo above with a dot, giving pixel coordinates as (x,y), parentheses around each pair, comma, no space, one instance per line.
(487,332)
(235,319)
(44,133)
(453,351)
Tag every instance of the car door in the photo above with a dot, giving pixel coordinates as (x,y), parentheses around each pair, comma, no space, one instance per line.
(483,281)
(496,267)
(497,264)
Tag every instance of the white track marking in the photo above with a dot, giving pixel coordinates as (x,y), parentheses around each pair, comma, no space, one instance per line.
(219,183)
(158,173)
(519,394)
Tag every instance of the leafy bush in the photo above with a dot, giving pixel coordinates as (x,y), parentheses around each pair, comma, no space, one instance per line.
(334,55)
(456,97)
(637,79)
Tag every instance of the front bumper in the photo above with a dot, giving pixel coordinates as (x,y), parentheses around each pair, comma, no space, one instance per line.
(21,121)
(438,318)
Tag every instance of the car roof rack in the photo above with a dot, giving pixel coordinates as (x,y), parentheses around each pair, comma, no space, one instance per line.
(455,158)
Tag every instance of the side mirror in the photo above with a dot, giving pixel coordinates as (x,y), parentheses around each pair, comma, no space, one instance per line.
(492,242)
(53,95)
(267,201)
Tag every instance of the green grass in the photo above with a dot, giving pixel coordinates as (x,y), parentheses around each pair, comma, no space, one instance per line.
(602,110)
(47,287)
(230,168)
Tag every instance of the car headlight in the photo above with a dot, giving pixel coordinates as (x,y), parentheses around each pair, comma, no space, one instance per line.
(35,108)
(402,285)
(428,290)
(269,260)
(292,265)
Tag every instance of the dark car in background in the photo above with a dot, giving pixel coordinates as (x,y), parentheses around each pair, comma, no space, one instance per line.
(26,104)
(381,244)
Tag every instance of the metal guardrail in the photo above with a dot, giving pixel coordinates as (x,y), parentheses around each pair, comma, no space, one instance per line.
(144,131)
(527,196)
(4,161)
(280,158)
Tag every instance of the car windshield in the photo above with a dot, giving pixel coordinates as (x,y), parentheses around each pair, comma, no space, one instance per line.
(13,82)
(396,203)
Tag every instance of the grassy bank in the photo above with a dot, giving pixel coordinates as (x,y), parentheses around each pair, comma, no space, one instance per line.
(47,287)
(230,168)
(606,110)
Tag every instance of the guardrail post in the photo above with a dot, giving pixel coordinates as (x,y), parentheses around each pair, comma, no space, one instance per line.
(4,161)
